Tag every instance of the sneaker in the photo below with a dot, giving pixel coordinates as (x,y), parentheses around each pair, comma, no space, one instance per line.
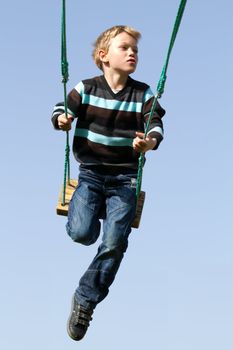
(79,320)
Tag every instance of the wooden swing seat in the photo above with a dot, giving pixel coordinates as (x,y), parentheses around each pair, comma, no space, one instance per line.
(70,187)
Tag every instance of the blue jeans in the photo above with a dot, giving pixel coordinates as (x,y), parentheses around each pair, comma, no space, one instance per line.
(116,195)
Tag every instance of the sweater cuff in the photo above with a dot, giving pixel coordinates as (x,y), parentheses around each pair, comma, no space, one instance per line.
(55,122)
(157,136)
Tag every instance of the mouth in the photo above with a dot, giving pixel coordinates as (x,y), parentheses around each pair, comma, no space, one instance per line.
(132,61)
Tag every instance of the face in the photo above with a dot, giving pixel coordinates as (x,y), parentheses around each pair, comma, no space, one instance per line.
(122,55)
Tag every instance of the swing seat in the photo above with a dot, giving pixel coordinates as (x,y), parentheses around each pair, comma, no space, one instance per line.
(62,209)
(70,187)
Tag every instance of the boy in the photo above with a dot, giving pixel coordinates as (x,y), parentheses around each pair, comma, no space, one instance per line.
(111,111)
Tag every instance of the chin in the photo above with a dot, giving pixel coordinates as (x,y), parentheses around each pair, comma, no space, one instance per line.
(132,70)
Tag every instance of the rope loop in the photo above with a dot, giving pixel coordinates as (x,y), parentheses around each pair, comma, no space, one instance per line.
(65,71)
(161,85)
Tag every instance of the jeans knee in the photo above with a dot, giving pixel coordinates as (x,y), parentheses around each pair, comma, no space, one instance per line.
(117,248)
(82,236)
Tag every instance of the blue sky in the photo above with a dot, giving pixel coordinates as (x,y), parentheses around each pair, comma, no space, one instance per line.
(174,288)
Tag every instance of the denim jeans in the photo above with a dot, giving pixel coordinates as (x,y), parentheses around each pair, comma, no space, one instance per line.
(116,194)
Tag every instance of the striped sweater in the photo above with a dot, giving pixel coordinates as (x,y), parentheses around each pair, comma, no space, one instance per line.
(107,121)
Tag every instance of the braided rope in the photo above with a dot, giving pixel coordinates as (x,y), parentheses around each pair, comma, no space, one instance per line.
(65,78)
(160,89)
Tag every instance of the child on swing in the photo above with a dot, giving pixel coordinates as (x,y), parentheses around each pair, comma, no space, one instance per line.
(111,111)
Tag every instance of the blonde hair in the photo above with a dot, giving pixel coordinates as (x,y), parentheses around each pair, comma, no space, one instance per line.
(103,40)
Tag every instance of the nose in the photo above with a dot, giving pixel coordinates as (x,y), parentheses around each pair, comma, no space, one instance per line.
(131,51)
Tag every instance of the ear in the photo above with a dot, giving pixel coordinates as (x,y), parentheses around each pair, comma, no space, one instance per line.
(103,55)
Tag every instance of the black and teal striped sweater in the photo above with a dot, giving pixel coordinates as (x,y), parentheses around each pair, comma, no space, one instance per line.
(107,121)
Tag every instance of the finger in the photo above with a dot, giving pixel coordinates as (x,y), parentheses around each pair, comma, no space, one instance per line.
(138,148)
(140,134)
(141,143)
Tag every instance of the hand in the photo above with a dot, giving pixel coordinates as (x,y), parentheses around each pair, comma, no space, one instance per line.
(143,145)
(64,123)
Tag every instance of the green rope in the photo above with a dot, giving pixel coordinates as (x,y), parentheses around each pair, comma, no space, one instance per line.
(160,89)
(163,77)
(65,78)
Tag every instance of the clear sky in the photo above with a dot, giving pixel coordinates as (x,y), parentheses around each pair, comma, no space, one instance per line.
(174,288)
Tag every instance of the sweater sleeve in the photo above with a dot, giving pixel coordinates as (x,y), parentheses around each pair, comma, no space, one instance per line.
(74,100)
(155,129)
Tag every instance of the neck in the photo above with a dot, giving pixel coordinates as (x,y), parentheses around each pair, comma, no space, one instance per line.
(115,81)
